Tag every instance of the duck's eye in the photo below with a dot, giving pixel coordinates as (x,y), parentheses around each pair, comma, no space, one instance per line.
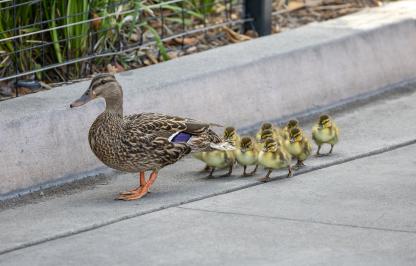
(103,82)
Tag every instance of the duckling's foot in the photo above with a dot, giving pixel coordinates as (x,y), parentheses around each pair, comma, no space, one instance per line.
(142,191)
(267,177)
(142,182)
(332,147)
(230,170)
(245,174)
(244,171)
(290,173)
(317,152)
(210,173)
(254,170)
(298,165)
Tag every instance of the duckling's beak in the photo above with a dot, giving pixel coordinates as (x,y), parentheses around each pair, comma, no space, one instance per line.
(292,140)
(81,101)
(243,150)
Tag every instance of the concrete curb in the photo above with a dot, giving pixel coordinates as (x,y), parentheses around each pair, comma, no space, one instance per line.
(43,142)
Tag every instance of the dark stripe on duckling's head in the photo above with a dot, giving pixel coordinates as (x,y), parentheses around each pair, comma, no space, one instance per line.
(268,133)
(265,126)
(246,143)
(292,123)
(229,132)
(294,132)
(270,145)
(323,119)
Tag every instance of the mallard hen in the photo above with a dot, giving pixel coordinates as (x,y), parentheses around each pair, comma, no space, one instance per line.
(142,142)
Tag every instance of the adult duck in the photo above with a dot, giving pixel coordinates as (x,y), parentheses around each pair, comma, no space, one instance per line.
(141,142)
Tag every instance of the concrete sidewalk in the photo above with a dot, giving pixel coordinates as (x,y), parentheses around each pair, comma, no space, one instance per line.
(358,213)
(356,207)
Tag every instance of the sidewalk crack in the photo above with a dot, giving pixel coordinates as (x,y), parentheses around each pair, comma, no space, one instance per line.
(300,220)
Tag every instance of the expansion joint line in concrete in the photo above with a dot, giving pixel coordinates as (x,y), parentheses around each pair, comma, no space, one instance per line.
(298,220)
(134,215)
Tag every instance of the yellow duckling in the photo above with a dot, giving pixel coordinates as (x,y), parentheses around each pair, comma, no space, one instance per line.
(231,136)
(325,131)
(293,123)
(298,146)
(222,159)
(267,126)
(219,159)
(274,157)
(247,155)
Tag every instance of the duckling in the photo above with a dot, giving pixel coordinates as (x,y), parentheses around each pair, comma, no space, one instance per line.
(274,157)
(293,123)
(247,155)
(220,158)
(325,131)
(264,126)
(230,135)
(298,146)
(268,133)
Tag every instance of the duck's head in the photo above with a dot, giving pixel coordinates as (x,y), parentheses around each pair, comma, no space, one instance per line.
(102,85)
(265,134)
(265,126)
(325,121)
(292,124)
(246,144)
(295,135)
(270,145)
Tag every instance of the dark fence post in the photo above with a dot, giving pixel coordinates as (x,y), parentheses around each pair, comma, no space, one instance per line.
(261,12)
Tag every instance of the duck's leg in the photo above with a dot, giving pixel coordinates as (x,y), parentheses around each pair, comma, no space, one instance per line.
(142,191)
(332,147)
(244,170)
(267,177)
(299,164)
(211,172)
(142,182)
(254,171)
(319,148)
(230,170)
(289,174)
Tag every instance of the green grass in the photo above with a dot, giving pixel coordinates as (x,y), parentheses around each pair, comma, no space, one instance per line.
(69,37)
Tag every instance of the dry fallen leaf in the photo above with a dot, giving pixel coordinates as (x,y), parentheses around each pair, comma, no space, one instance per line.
(294,5)
(234,36)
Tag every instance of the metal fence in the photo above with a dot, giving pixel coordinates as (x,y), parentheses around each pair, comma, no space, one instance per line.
(57,40)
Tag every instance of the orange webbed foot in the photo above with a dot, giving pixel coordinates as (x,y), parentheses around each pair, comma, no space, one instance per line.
(142,190)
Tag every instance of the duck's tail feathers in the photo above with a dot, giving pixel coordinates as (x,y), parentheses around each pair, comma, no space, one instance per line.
(215,125)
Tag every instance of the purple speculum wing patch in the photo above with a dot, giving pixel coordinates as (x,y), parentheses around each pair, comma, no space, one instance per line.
(181,137)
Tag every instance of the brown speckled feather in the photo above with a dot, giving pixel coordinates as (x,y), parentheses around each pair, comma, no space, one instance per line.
(140,142)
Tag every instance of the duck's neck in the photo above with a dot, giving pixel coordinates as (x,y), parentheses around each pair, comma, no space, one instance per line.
(114,105)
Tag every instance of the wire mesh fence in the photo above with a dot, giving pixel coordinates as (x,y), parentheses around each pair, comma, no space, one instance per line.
(57,40)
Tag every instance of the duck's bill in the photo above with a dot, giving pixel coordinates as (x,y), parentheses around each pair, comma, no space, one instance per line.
(81,101)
